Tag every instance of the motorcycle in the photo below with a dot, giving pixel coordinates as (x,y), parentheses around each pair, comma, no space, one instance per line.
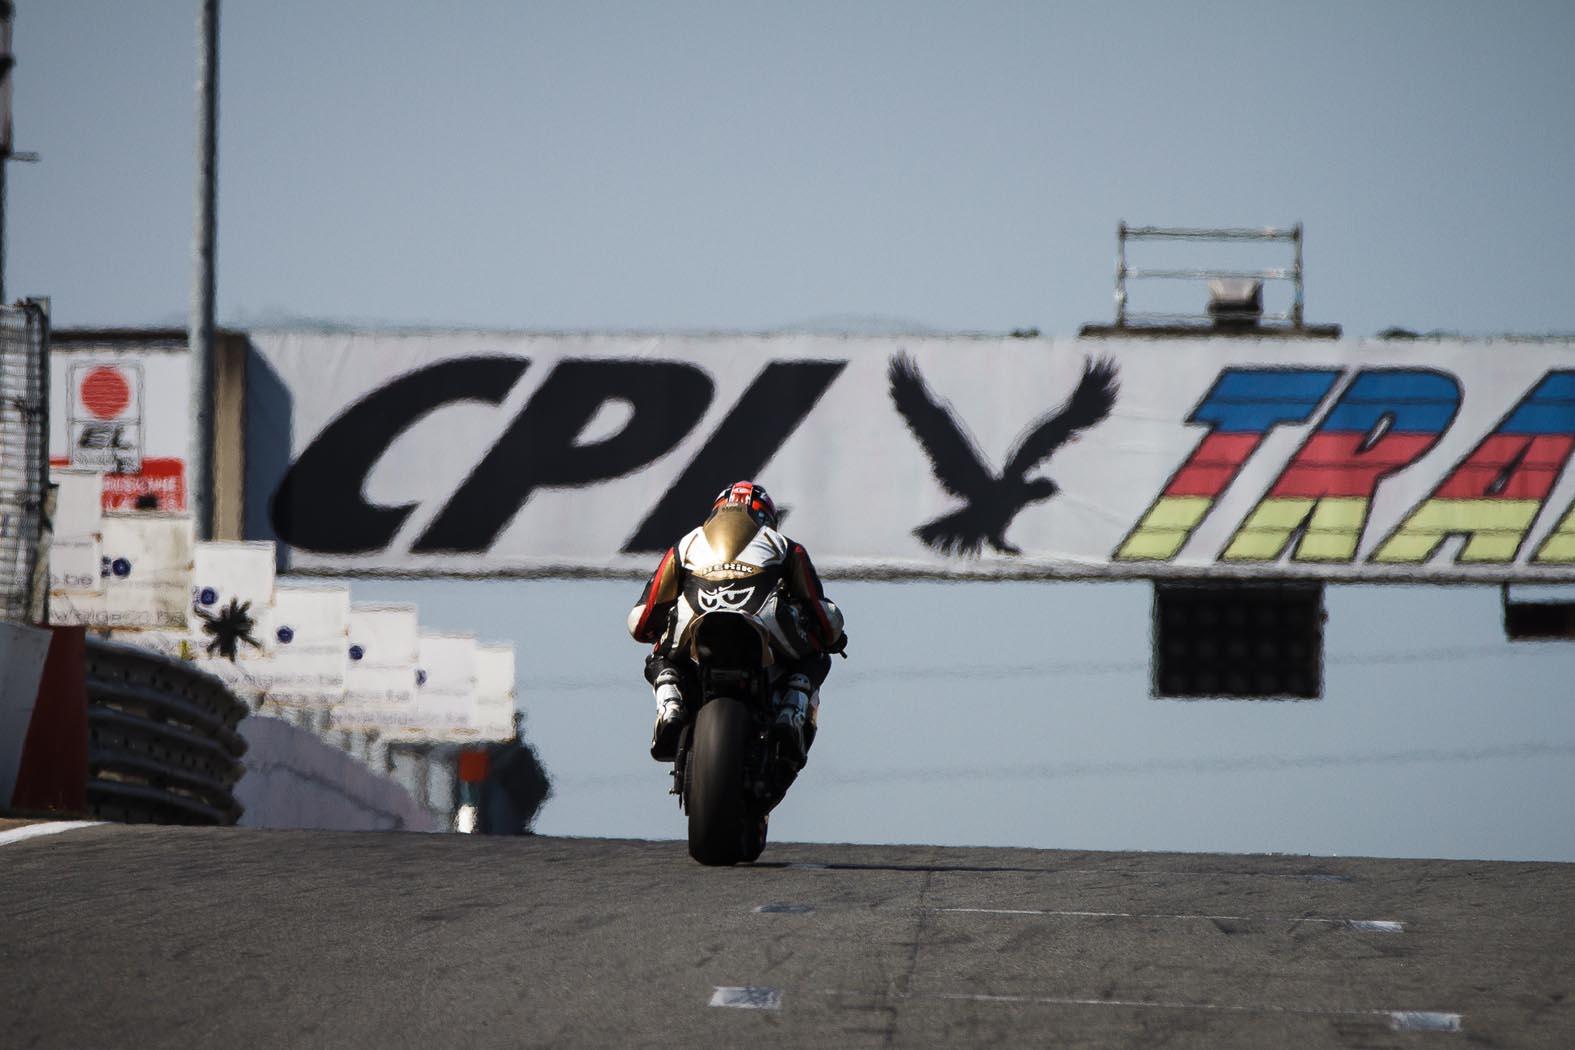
(731,770)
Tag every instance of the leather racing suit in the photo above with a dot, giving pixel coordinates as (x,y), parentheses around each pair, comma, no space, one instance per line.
(734,562)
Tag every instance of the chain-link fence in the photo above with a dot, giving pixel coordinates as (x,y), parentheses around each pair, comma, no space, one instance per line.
(24,459)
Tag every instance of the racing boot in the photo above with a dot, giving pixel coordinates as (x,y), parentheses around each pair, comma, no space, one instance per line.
(792,725)
(670,717)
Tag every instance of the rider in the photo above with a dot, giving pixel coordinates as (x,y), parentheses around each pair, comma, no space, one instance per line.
(739,541)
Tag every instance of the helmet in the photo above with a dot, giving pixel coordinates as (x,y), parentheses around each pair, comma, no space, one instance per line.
(752,498)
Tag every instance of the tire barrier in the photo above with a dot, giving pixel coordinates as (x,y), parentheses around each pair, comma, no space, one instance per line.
(162,740)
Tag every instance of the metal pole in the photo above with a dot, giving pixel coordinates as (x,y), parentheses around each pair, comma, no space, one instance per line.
(3,165)
(38,319)
(199,334)
(1297,307)
(1121,274)
(7,61)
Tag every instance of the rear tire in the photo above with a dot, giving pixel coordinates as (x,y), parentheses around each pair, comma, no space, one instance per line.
(720,827)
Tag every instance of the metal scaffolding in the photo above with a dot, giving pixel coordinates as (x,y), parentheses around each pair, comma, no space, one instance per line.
(24,461)
(1291,235)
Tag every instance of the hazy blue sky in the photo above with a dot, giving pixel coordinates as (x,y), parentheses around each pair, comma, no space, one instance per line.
(962,166)
(745,165)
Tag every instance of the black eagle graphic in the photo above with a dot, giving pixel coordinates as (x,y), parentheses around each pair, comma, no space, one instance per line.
(992,501)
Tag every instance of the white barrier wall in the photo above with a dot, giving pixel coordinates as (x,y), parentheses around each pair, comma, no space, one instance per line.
(142,575)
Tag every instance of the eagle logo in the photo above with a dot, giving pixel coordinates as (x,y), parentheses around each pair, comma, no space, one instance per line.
(991,500)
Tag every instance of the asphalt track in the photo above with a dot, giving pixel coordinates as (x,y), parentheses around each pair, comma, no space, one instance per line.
(164,937)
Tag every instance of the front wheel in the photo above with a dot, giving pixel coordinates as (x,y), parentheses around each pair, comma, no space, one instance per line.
(720,827)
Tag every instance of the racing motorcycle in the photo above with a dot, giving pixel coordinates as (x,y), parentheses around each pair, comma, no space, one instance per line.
(731,770)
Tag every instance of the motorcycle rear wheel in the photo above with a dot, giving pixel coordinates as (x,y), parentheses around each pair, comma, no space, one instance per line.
(719,821)
(754,838)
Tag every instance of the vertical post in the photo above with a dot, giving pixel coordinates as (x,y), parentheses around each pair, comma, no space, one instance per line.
(1296,307)
(199,336)
(7,61)
(1121,274)
(4,159)
(38,332)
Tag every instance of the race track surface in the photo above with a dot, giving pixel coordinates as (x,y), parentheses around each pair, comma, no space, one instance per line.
(165,937)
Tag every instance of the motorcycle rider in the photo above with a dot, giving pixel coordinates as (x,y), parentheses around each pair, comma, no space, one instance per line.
(738,541)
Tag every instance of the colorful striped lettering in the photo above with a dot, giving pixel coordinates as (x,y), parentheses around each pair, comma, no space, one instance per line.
(1385,420)
(1241,408)
(1495,493)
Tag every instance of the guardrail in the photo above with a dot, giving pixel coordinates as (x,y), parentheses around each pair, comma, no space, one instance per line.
(162,740)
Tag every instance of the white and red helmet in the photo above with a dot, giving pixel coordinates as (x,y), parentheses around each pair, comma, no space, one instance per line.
(752,498)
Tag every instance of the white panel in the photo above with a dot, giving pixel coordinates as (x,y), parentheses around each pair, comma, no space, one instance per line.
(78,502)
(76,548)
(495,691)
(380,679)
(446,688)
(242,573)
(310,654)
(513,453)
(146,565)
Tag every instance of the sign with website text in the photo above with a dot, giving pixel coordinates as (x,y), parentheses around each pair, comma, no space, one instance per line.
(487,453)
(123,411)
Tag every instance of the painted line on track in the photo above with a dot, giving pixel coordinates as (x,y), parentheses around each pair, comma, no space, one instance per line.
(747,997)
(53,827)
(1304,876)
(1399,1020)
(1360,925)
(965,869)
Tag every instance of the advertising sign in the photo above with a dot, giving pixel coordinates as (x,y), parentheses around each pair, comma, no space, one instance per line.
(123,412)
(487,453)
(105,424)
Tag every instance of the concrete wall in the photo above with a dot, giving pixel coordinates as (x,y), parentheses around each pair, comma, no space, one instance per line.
(294,780)
(22,653)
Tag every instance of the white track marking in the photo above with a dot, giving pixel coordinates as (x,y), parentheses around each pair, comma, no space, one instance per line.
(1423,1021)
(1399,1020)
(747,998)
(1362,925)
(53,827)
(1376,925)
(1307,876)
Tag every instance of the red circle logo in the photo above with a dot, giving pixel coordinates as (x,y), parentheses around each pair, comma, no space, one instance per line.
(105,392)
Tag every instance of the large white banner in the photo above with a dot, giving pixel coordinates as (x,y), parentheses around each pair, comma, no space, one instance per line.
(487,453)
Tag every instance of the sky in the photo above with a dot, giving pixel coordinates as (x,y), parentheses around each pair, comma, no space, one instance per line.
(878,166)
(748,165)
